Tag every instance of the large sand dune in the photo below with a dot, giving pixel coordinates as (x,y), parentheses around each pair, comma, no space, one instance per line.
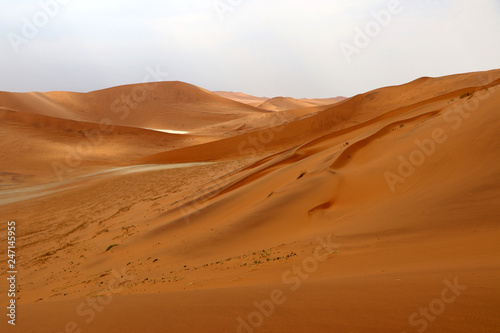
(162,105)
(378,213)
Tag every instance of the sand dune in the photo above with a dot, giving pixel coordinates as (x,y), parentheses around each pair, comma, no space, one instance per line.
(242,97)
(351,114)
(284,103)
(323,101)
(35,148)
(351,217)
(288,103)
(278,103)
(162,105)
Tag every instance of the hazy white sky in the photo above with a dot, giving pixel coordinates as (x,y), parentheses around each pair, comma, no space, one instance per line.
(261,47)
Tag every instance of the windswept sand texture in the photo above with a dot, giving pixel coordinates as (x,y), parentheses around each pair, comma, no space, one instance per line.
(349,217)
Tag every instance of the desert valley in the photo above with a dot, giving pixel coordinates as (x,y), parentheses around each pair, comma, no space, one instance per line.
(165,207)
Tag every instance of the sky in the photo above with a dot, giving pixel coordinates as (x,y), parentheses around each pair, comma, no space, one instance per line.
(296,48)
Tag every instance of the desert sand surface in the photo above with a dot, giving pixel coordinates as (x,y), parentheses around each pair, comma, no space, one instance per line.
(375,213)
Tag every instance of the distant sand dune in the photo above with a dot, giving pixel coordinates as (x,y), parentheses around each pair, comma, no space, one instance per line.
(288,103)
(171,105)
(242,98)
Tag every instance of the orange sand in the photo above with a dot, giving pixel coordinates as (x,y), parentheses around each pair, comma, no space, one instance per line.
(402,182)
